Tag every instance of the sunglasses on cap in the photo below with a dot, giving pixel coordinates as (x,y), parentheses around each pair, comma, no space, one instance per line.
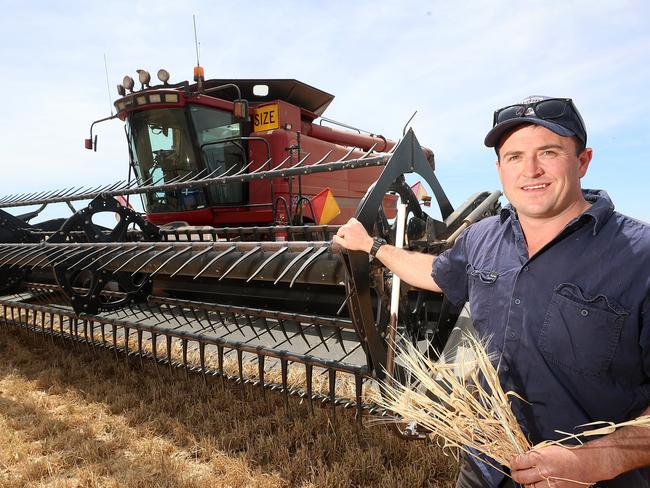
(561,111)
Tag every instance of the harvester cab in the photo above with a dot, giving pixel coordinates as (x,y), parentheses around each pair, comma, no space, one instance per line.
(228,127)
(231,272)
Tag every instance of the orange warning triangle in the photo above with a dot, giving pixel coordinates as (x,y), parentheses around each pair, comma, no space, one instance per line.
(325,206)
(419,190)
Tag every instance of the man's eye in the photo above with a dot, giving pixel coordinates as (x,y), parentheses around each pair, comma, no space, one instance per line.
(513,158)
(549,154)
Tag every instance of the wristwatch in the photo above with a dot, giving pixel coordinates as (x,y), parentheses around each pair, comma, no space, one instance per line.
(377,242)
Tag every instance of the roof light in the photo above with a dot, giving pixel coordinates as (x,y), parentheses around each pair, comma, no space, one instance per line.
(155,98)
(171,97)
(198,73)
(163,75)
(260,90)
(128,83)
(144,77)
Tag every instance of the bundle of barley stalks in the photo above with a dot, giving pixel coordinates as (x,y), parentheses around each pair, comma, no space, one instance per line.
(463,405)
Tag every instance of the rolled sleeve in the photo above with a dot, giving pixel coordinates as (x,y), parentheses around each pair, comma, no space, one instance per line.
(449,271)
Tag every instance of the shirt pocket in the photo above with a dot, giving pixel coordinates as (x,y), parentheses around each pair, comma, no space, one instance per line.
(482,286)
(581,332)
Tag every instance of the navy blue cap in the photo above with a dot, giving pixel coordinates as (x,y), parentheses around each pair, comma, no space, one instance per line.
(569,125)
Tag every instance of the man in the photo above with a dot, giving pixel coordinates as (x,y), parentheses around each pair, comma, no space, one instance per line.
(561,283)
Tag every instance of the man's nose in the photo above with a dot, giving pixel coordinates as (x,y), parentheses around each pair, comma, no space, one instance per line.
(532,167)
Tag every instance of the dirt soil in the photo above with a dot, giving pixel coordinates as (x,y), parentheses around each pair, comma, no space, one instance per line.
(70,417)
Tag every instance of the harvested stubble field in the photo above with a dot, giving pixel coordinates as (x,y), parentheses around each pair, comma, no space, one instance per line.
(74,418)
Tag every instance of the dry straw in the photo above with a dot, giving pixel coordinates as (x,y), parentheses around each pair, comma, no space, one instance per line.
(463,405)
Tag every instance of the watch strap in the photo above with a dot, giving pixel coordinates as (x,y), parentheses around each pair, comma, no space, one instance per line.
(377,242)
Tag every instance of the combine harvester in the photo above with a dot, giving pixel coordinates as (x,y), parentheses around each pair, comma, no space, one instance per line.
(230,272)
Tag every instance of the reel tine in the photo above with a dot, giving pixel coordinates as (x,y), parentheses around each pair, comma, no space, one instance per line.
(324,158)
(260,370)
(242,170)
(306,264)
(345,301)
(332,392)
(207,249)
(168,339)
(69,256)
(202,360)
(299,163)
(320,335)
(261,168)
(91,327)
(96,251)
(207,316)
(115,257)
(101,257)
(267,261)
(358,389)
(249,322)
(140,351)
(134,257)
(266,326)
(284,330)
(220,364)
(154,350)
(286,160)
(159,253)
(114,327)
(293,261)
(236,322)
(31,253)
(185,365)
(302,331)
(352,149)
(240,369)
(213,260)
(369,151)
(127,332)
(309,371)
(234,265)
(339,337)
(284,366)
(170,259)
(223,323)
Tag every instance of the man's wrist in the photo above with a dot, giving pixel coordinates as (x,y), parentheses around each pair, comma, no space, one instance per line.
(605,460)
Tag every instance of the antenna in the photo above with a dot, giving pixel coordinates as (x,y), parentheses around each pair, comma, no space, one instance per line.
(196,41)
(198,70)
(108,90)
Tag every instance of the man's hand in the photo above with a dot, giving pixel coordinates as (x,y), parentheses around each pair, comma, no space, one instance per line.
(353,237)
(556,467)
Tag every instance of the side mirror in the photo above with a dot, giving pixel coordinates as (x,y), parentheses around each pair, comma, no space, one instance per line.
(240,109)
(89,144)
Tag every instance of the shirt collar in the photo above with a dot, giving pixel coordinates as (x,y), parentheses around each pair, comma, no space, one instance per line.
(599,212)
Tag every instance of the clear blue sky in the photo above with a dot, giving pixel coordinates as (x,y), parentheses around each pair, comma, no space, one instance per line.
(453,62)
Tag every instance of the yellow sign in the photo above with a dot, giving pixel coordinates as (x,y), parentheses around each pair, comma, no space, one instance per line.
(266,117)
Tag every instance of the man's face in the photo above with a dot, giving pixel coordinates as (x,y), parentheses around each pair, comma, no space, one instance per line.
(540,173)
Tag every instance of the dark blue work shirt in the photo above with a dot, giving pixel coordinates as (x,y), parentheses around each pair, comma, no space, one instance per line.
(571,324)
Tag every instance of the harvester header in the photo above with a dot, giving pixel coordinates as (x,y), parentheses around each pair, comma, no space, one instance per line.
(231,265)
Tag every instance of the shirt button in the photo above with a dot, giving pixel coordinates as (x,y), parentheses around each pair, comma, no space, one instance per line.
(525,268)
(505,368)
(584,312)
(517,301)
(512,334)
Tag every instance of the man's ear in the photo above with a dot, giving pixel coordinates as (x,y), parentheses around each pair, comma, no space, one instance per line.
(583,161)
